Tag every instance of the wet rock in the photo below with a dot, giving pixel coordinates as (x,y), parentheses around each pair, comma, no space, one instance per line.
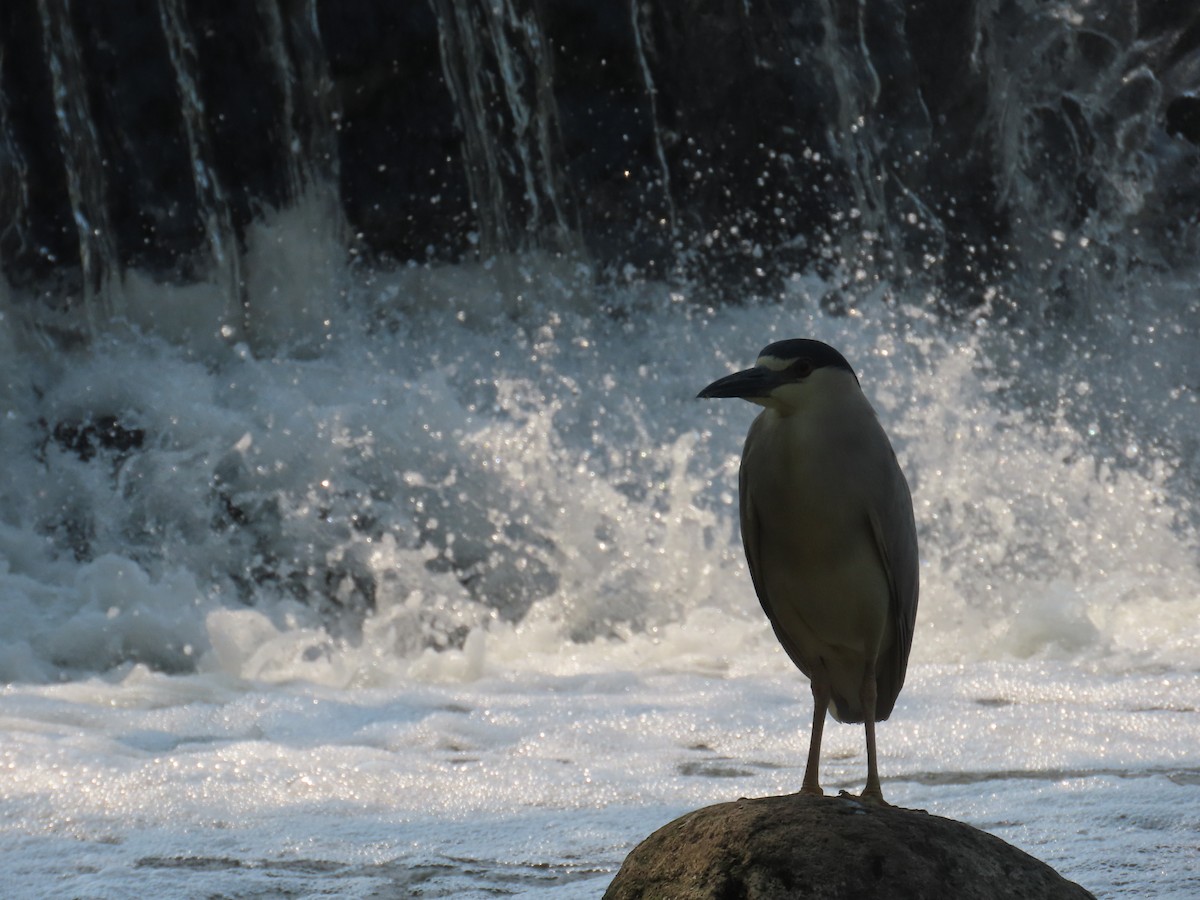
(826,848)
(1183,118)
(103,434)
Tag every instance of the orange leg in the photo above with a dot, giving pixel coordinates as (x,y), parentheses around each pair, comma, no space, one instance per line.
(811,785)
(872,791)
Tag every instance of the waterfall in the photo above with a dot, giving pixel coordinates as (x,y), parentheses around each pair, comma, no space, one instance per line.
(308,138)
(83,162)
(966,145)
(294,254)
(14,178)
(1072,120)
(664,171)
(495,59)
(215,213)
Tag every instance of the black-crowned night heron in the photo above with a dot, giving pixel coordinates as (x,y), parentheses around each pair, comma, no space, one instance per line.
(827,524)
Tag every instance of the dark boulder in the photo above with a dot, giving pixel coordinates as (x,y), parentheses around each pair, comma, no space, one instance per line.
(827,848)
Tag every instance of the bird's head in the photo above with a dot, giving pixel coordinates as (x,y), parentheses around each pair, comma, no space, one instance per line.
(789,376)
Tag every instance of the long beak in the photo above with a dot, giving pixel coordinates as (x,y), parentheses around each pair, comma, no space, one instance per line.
(749,384)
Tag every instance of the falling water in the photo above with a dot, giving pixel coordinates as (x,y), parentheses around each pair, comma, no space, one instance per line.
(215,214)
(1072,103)
(79,145)
(14,176)
(308,137)
(494,59)
(307,143)
(664,172)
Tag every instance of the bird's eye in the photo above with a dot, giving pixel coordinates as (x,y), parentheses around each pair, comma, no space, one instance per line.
(802,368)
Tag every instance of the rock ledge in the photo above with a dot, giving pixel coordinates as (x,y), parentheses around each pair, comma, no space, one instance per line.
(826,848)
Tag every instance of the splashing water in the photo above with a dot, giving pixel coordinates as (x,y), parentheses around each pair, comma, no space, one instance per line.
(455,559)
(550,466)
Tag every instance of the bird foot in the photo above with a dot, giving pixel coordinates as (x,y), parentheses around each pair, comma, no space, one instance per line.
(875,798)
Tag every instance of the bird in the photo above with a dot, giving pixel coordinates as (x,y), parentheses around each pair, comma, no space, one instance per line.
(829,534)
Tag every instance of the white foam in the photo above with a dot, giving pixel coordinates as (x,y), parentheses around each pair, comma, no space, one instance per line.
(562,469)
(493,777)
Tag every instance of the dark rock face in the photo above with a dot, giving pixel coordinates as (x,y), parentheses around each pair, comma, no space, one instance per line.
(826,849)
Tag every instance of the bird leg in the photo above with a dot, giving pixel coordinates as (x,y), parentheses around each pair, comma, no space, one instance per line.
(811,785)
(872,791)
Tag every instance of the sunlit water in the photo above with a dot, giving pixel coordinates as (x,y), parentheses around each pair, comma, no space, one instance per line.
(447,595)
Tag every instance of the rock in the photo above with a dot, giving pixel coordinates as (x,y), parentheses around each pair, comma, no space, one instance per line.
(822,847)
(105,433)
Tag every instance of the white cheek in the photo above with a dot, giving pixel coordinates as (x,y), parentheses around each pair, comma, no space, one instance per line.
(774,363)
(792,395)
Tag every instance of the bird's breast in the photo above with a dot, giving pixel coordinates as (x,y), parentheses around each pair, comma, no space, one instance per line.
(814,480)
(809,481)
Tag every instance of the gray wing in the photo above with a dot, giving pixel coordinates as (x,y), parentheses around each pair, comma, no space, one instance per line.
(750,543)
(895,532)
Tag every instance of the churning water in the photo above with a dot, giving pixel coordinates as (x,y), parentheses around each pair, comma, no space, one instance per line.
(438,588)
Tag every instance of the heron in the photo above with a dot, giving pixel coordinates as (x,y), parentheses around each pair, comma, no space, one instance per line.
(830,537)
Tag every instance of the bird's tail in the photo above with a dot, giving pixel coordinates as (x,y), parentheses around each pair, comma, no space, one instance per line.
(849,709)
